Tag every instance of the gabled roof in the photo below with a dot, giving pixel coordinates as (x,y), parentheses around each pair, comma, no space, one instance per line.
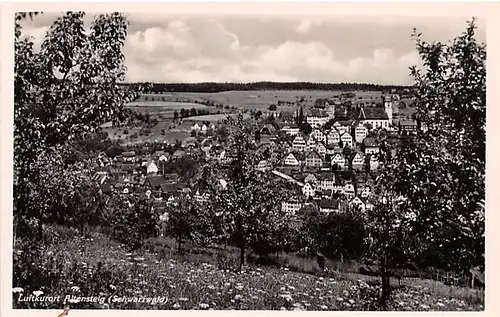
(313,153)
(168,188)
(128,154)
(328,203)
(373,114)
(156,181)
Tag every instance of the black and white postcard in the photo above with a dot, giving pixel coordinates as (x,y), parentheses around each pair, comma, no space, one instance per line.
(247,157)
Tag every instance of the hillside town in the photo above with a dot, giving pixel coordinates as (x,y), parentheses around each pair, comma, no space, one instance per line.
(332,167)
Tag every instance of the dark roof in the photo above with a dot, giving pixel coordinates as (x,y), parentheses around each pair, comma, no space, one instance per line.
(156,181)
(370,142)
(326,176)
(128,154)
(168,188)
(328,203)
(373,113)
(313,153)
(171,176)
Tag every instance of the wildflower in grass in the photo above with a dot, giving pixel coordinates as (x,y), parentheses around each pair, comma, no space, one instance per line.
(204,306)
(17,290)
(176,306)
(183,299)
(233,301)
(286,297)
(237,297)
(211,287)
(139,259)
(282,308)
(423,306)
(351,301)
(112,287)
(440,304)
(291,287)
(144,265)
(323,307)
(37,293)
(75,288)
(340,299)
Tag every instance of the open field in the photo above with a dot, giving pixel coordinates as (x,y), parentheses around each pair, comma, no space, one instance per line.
(95,264)
(164,108)
(260,99)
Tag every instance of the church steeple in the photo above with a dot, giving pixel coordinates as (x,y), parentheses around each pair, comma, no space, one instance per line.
(388,107)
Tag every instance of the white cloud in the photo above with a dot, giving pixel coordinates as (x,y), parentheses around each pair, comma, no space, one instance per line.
(306,25)
(205,50)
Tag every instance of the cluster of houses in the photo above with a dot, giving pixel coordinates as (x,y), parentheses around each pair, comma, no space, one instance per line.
(330,168)
(318,162)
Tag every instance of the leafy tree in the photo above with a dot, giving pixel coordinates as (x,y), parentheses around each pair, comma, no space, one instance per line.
(272,107)
(176,114)
(192,112)
(242,197)
(305,128)
(429,197)
(184,221)
(132,219)
(448,162)
(70,87)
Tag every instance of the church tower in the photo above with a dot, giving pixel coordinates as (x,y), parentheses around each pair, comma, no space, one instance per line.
(388,107)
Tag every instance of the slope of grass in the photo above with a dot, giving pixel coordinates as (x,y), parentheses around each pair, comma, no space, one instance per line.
(98,266)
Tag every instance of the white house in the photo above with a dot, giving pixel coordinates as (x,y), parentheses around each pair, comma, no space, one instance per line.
(310,178)
(359,132)
(349,190)
(326,181)
(291,160)
(299,144)
(318,135)
(196,127)
(333,137)
(308,190)
(371,146)
(321,149)
(339,160)
(263,166)
(374,117)
(311,143)
(151,168)
(346,139)
(317,118)
(291,207)
(358,161)
(374,163)
(291,130)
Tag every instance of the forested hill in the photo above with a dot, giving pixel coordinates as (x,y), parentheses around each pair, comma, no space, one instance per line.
(266,85)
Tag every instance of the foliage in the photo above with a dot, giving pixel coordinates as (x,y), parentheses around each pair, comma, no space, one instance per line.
(132,220)
(428,198)
(68,88)
(242,197)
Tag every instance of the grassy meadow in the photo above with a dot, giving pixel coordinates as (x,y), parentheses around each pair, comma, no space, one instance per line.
(202,280)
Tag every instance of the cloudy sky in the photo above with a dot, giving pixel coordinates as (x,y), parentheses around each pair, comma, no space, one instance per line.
(247,48)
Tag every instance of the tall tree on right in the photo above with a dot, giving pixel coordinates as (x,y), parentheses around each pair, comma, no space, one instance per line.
(445,171)
(428,200)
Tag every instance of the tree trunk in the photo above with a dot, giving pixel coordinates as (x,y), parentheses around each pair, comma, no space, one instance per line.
(242,254)
(179,244)
(40,229)
(385,290)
